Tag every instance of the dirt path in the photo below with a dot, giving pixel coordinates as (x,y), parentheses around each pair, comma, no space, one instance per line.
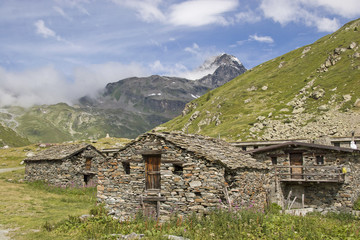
(3,233)
(3,170)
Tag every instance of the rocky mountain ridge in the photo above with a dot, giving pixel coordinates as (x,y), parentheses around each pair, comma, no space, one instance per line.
(125,108)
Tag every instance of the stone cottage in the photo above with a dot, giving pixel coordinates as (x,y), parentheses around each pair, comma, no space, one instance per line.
(312,175)
(73,165)
(162,173)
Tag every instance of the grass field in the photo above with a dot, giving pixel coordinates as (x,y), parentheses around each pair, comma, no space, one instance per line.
(39,211)
(28,207)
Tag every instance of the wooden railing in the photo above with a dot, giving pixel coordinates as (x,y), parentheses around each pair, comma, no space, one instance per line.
(309,173)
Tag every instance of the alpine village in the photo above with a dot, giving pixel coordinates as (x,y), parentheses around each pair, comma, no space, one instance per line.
(271,152)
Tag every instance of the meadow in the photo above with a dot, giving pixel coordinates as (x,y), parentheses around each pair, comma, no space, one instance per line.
(39,211)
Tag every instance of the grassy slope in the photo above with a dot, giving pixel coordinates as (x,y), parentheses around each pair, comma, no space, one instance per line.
(28,207)
(283,84)
(11,138)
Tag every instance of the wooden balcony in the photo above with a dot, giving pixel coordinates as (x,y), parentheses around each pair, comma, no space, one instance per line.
(310,173)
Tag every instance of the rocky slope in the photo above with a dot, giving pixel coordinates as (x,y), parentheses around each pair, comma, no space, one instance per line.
(309,92)
(125,108)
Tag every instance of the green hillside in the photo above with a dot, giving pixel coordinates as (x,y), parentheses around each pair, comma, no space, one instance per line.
(295,91)
(10,138)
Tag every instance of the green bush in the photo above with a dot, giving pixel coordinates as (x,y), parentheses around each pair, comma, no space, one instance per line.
(357,204)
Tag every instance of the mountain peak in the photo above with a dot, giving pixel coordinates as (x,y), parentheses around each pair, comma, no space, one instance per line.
(214,62)
(223,68)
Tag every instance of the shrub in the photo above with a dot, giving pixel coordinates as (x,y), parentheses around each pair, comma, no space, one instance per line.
(357,204)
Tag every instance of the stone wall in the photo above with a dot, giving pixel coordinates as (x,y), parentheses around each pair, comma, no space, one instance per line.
(189,183)
(69,172)
(320,195)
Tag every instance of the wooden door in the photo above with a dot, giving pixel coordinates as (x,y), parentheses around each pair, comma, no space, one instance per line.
(296,159)
(152,171)
(88,164)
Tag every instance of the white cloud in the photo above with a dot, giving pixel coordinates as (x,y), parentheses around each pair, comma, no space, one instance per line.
(75,4)
(46,32)
(62,12)
(148,10)
(263,39)
(327,25)
(157,66)
(194,49)
(196,13)
(310,12)
(248,17)
(47,85)
(42,85)
(43,30)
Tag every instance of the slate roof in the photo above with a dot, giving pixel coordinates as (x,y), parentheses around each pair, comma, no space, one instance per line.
(59,152)
(303,145)
(213,150)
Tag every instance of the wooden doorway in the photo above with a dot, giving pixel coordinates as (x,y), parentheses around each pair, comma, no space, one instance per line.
(152,171)
(296,159)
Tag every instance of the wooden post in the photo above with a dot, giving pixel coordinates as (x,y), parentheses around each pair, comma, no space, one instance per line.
(158,207)
(227,197)
(303,200)
(288,198)
(292,203)
(142,202)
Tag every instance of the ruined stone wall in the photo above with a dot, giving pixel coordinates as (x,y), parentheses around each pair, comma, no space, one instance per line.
(320,195)
(249,188)
(199,187)
(66,173)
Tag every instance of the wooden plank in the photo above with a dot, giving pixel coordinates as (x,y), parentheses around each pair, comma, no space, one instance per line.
(150,152)
(309,180)
(313,174)
(311,166)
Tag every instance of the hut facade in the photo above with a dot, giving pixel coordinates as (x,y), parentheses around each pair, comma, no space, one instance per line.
(163,173)
(73,165)
(311,175)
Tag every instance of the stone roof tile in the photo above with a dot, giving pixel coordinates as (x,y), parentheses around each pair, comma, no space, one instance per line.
(58,152)
(212,149)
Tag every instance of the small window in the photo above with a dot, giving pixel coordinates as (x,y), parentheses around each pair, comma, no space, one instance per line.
(88,164)
(319,160)
(126,166)
(274,160)
(256,147)
(336,144)
(243,148)
(178,169)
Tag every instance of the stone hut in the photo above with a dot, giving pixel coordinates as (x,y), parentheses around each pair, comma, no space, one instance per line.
(164,173)
(73,165)
(311,175)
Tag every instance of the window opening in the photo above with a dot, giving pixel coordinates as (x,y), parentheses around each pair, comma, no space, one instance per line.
(319,160)
(178,169)
(256,147)
(274,160)
(126,166)
(336,144)
(243,148)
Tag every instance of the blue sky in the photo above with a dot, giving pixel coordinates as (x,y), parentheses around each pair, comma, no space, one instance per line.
(58,50)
